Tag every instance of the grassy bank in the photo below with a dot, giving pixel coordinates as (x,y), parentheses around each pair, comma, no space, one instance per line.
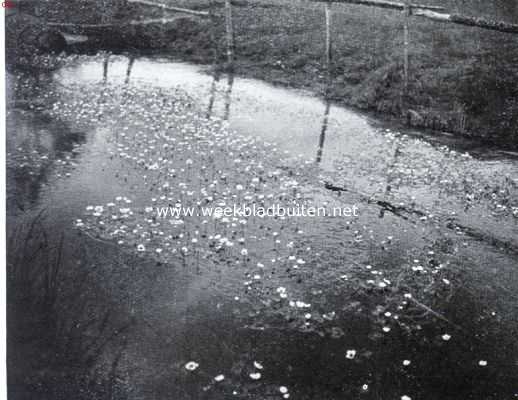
(462,80)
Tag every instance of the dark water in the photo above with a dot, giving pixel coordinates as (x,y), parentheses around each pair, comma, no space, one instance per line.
(419,290)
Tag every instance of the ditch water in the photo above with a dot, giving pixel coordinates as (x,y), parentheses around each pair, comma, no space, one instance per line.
(415,298)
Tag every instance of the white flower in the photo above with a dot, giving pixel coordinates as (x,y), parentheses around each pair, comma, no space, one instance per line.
(482,363)
(406,362)
(191,366)
(255,375)
(219,378)
(405,398)
(446,337)
(258,365)
(141,247)
(350,354)
(365,387)
(283,389)
(244,252)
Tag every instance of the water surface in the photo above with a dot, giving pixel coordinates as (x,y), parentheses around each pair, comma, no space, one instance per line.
(325,307)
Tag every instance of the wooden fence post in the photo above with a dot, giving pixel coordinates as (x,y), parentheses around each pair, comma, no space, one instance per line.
(229,33)
(103,12)
(213,24)
(329,44)
(407,12)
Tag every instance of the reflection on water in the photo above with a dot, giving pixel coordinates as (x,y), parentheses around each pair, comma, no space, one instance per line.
(322,139)
(38,146)
(212,98)
(227,96)
(122,130)
(130,67)
(105,67)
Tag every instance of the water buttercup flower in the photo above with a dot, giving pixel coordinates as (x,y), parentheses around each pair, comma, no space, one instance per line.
(350,354)
(191,366)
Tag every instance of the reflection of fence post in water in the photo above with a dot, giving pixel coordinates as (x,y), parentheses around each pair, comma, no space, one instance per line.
(212,97)
(228,95)
(323,131)
(105,68)
(128,70)
(390,178)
